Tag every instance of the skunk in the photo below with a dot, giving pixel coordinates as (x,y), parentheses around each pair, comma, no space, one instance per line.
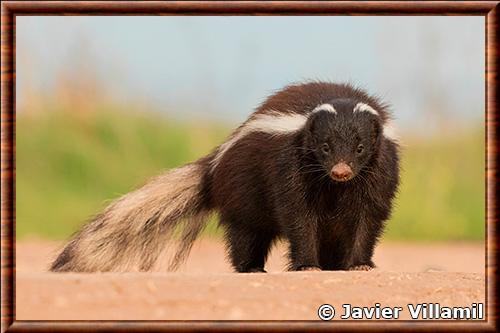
(317,164)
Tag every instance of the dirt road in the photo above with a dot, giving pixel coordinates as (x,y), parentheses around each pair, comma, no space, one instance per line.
(205,288)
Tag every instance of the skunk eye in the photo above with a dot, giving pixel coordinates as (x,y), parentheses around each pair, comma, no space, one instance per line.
(325,148)
(360,149)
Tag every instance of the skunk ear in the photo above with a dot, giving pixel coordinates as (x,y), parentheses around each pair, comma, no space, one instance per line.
(375,121)
(377,130)
(317,120)
(312,127)
(310,123)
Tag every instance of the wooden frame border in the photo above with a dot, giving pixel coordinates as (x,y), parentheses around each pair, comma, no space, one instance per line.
(11,9)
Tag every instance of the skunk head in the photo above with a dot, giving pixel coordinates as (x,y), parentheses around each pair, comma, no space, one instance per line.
(343,137)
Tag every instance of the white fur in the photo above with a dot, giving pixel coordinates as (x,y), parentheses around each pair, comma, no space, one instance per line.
(325,107)
(277,123)
(273,122)
(160,200)
(362,107)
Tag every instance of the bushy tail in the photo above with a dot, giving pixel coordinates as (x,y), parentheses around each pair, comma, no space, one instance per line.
(133,230)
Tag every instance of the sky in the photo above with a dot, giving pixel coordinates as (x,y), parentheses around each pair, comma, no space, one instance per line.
(223,67)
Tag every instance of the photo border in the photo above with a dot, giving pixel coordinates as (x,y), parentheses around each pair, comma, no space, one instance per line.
(11,9)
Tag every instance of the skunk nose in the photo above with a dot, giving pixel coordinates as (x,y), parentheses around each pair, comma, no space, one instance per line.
(341,171)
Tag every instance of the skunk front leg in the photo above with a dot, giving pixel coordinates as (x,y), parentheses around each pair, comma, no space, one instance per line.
(303,253)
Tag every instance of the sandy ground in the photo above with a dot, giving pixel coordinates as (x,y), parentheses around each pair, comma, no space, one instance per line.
(206,289)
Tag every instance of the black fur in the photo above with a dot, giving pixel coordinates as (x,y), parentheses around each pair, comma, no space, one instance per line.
(268,187)
(265,187)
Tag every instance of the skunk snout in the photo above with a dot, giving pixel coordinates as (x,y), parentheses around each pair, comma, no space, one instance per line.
(341,172)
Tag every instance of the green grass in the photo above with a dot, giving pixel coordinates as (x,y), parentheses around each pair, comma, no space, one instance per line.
(70,165)
(442,193)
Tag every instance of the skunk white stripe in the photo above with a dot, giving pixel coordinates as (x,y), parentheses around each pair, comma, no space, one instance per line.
(362,107)
(390,131)
(277,123)
(274,123)
(325,107)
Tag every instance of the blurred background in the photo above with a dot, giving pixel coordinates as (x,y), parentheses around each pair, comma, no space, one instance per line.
(104,103)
